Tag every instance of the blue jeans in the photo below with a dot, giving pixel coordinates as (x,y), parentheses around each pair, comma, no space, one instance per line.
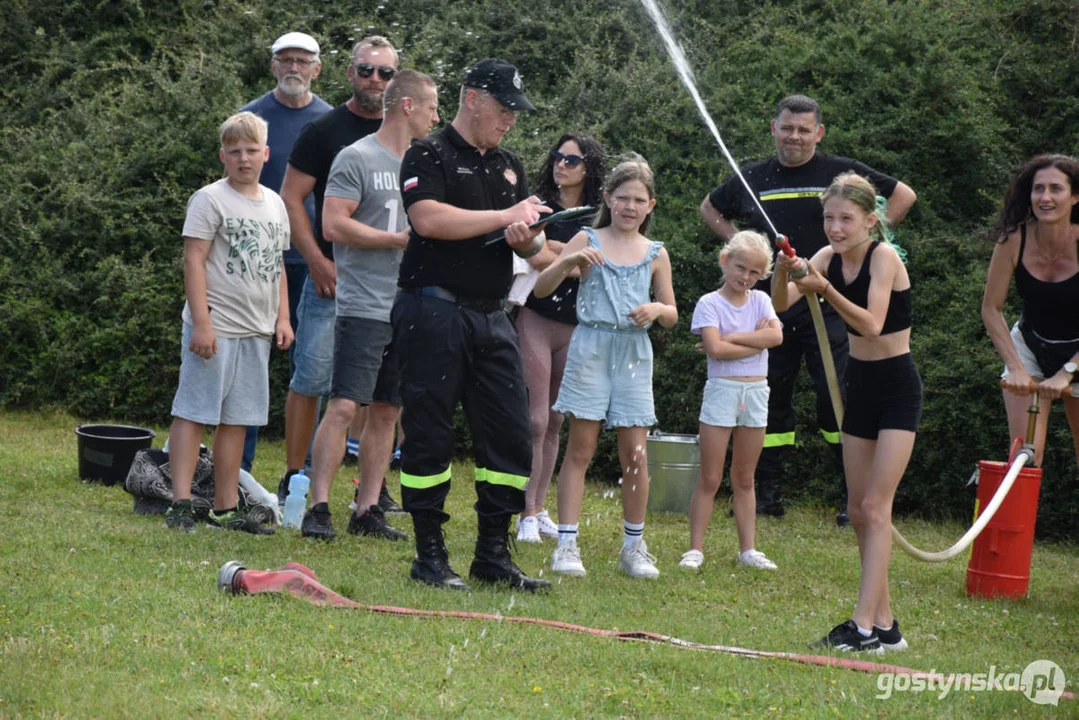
(313,356)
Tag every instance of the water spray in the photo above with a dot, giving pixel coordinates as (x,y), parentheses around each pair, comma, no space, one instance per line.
(682,66)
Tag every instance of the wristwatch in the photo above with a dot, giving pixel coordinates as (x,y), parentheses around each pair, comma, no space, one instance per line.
(1070,368)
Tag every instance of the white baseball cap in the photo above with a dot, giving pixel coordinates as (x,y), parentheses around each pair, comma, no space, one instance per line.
(298,40)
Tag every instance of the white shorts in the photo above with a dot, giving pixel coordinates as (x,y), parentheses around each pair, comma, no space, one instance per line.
(231,388)
(730,403)
(1030,363)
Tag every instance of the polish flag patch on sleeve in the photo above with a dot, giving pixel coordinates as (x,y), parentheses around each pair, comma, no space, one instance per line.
(410,184)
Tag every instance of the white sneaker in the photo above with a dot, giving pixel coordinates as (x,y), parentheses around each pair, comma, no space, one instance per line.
(547,526)
(692,560)
(755,559)
(566,560)
(528,530)
(636,562)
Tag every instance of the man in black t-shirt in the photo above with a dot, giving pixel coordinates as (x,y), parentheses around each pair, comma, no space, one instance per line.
(374,63)
(456,341)
(788,188)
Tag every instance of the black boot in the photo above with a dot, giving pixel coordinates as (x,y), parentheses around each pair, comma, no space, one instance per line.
(432,562)
(493,564)
(769,495)
(842,519)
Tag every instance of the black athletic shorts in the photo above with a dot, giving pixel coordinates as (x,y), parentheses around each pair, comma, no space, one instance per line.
(882,395)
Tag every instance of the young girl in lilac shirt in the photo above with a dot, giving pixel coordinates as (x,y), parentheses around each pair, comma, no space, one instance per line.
(737,325)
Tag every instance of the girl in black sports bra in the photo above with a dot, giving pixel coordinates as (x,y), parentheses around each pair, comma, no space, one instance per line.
(1036,242)
(863,277)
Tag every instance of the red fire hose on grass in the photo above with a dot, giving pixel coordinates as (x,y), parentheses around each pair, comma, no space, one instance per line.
(299,580)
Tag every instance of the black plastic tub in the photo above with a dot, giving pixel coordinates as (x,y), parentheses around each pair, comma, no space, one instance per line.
(107,451)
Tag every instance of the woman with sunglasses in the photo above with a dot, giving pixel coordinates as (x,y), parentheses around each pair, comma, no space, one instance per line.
(572,176)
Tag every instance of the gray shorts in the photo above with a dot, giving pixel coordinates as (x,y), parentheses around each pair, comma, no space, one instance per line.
(231,388)
(364,362)
(730,403)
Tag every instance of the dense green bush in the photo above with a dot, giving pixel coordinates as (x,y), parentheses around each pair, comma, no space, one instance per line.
(112,109)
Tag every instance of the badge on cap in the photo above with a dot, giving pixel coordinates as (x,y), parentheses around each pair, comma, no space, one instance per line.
(517,82)
(511,177)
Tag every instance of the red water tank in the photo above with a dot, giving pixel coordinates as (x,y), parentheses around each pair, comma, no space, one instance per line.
(1000,560)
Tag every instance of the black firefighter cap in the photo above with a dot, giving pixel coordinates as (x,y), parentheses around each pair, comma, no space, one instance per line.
(500,79)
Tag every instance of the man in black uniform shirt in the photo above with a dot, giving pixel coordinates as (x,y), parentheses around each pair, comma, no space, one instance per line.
(789,187)
(457,343)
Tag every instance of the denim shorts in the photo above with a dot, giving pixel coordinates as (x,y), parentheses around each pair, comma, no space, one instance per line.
(730,403)
(608,377)
(231,388)
(313,350)
(364,362)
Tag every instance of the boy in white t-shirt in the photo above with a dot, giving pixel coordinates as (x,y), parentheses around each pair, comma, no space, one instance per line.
(737,325)
(234,235)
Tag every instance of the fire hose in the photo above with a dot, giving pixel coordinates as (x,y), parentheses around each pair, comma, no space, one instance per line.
(300,581)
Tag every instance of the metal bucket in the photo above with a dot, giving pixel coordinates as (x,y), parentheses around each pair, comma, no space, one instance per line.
(674,462)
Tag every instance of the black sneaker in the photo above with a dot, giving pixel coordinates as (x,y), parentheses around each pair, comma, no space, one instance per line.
(282,488)
(395,459)
(846,638)
(180,516)
(238,520)
(350,460)
(891,639)
(373,523)
(842,519)
(387,503)
(316,523)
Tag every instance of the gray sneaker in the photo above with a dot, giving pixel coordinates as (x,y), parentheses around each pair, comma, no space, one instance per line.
(180,516)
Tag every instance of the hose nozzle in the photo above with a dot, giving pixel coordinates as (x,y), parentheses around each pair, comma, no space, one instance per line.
(784,244)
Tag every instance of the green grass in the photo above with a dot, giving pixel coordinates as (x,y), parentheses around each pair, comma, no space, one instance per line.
(106,614)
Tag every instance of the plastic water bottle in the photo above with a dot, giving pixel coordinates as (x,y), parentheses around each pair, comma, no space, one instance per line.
(296,501)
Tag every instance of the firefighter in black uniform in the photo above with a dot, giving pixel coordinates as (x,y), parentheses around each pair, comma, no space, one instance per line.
(457,343)
(789,187)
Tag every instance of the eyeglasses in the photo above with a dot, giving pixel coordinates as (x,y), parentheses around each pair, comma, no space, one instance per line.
(571,161)
(295,61)
(366,70)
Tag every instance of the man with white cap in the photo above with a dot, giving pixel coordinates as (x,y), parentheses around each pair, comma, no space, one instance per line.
(287,109)
(373,64)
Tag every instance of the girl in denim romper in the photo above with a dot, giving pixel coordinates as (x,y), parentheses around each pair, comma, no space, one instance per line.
(608,376)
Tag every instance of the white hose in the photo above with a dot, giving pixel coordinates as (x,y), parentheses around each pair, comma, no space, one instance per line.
(1025,456)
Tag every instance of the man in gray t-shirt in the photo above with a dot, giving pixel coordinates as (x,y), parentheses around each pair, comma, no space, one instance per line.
(366,173)
(362,216)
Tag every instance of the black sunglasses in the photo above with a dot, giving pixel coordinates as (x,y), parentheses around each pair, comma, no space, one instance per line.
(366,70)
(571,161)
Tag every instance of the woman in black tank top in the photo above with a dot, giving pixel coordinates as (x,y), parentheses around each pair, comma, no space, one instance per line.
(572,176)
(863,277)
(1036,242)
